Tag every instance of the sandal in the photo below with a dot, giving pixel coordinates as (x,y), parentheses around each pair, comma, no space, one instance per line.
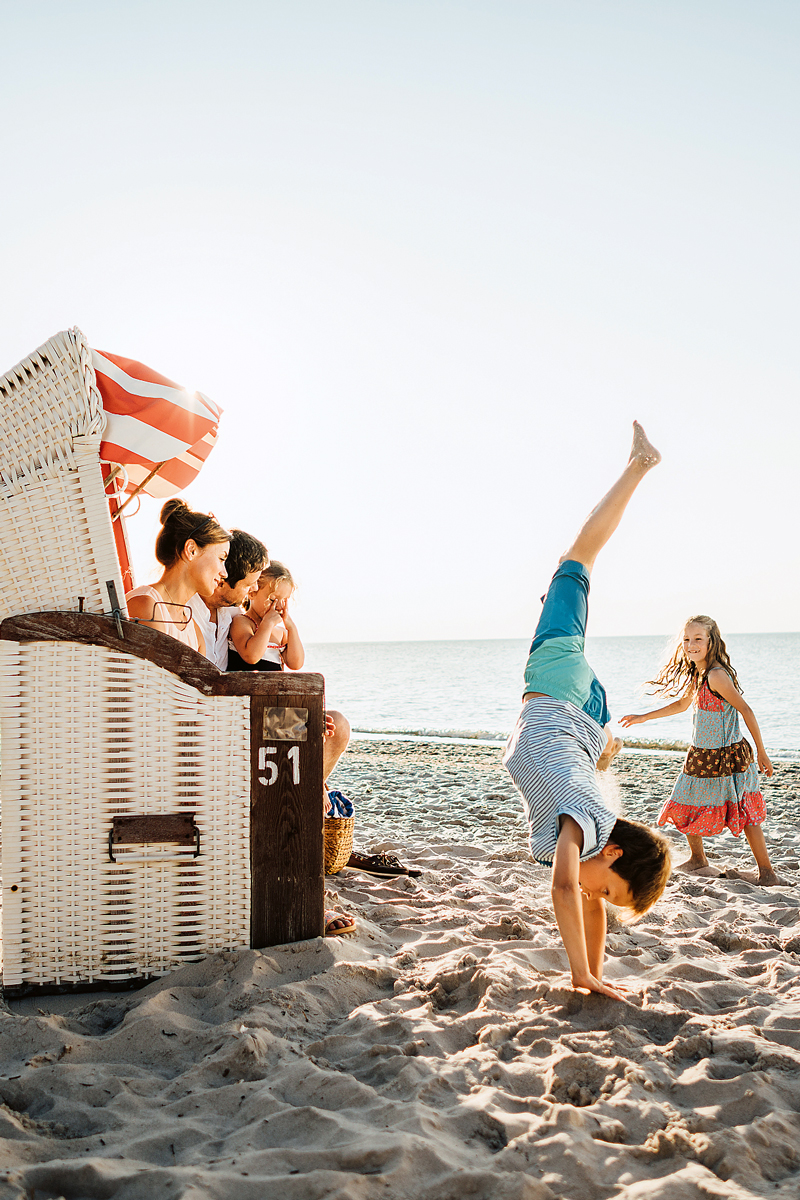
(333,918)
(387,866)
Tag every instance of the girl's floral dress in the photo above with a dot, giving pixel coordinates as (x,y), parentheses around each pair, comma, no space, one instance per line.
(718,787)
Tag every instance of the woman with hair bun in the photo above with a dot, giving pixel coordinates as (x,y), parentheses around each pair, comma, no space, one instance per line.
(192,548)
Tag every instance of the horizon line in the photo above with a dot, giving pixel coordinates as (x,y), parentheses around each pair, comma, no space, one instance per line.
(529,637)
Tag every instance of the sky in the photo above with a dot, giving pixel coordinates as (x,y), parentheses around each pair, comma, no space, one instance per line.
(432,257)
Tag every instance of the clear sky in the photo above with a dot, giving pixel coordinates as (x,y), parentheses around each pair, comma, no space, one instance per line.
(431,257)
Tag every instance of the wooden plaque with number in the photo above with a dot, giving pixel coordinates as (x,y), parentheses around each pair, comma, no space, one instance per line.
(286,819)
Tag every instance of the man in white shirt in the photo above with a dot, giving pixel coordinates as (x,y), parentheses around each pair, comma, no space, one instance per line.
(247,558)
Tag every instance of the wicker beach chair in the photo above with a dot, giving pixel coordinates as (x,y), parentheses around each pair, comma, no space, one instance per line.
(56,537)
(153,809)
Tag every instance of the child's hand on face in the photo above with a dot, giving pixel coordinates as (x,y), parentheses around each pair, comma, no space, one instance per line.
(272,614)
(287,619)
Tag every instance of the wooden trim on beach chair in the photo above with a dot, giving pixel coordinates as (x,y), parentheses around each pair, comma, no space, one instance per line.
(99,629)
(286,740)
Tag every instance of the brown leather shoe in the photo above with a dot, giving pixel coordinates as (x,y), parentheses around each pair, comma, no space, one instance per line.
(386,866)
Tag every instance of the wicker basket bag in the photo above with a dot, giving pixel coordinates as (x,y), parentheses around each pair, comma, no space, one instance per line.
(337,842)
(337,833)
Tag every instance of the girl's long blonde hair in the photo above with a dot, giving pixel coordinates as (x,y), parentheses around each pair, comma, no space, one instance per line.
(678,673)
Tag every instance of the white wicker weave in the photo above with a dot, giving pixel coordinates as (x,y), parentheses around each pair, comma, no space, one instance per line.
(89,734)
(56,537)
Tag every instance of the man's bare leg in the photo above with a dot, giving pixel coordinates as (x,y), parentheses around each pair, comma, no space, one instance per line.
(698,864)
(334,747)
(604,519)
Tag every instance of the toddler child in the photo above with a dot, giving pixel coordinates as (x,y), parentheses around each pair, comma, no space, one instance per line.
(265,638)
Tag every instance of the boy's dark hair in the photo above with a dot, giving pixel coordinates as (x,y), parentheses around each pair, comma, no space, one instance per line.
(644,864)
(246,554)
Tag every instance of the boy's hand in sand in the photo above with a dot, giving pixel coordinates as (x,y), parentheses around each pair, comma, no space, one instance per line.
(581,918)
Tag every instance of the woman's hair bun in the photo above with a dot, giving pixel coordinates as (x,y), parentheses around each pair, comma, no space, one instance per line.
(178,524)
(172,507)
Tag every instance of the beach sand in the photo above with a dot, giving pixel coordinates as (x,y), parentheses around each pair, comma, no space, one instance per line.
(438,1054)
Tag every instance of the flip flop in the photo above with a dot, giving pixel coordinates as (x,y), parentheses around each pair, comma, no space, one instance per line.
(331,917)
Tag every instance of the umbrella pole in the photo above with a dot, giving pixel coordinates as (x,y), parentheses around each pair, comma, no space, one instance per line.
(140,488)
(112,475)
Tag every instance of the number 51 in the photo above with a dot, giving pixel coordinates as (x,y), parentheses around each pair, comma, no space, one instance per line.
(271,768)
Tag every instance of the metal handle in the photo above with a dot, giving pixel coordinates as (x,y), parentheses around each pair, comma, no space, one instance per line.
(156,827)
(116,611)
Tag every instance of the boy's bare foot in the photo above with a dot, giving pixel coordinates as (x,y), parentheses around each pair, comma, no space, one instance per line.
(643,452)
(693,867)
(609,754)
(762,878)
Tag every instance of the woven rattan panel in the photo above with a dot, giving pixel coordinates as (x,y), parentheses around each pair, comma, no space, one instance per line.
(89,734)
(47,400)
(56,541)
(56,537)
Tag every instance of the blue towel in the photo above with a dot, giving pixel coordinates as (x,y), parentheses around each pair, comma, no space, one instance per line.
(340,805)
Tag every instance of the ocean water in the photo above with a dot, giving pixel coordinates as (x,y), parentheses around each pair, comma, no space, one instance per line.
(465,689)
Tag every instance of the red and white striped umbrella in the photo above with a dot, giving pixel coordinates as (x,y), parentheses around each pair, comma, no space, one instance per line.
(158,431)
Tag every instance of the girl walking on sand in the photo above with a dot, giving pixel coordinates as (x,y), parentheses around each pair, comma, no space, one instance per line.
(718,787)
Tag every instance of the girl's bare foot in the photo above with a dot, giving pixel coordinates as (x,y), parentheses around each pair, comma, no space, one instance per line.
(609,754)
(762,878)
(643,452)
(694,867)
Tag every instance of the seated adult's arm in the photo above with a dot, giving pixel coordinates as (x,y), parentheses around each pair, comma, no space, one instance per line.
(148,611)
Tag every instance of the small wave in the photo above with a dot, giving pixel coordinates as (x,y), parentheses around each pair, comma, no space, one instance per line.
(495,738)
(489,735)
(499,737)
(654,744)
(445,735)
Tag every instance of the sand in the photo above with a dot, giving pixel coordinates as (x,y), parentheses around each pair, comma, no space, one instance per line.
(438,1054)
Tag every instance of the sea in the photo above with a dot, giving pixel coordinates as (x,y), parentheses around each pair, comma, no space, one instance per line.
(457,690)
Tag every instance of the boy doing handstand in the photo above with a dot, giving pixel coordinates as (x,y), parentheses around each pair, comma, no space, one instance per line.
(561,736)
